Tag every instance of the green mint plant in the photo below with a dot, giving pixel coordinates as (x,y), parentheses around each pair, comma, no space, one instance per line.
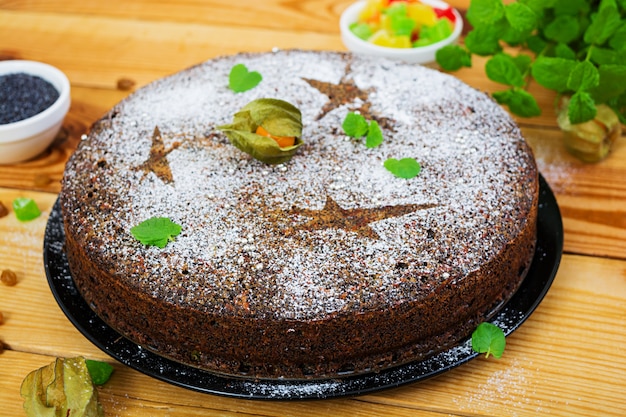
(574,47)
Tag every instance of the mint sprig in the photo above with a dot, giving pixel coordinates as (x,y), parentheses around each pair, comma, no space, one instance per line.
(156,231)
(489,339)
(240,79)
(576,48)
(356,126)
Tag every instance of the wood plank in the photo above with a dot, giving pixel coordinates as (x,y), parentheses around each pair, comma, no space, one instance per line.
(313,15)
(139,50)
(299,16)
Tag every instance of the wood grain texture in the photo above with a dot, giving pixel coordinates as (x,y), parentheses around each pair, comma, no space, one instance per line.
(566,360)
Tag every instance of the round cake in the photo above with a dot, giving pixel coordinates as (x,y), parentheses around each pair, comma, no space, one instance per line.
(329,263)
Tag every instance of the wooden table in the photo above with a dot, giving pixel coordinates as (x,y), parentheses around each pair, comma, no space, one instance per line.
(568,359)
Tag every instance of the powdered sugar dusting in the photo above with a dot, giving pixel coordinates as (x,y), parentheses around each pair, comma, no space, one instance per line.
(235,250)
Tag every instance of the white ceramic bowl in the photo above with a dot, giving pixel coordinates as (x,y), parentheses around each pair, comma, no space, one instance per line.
(420,55)
(27,138)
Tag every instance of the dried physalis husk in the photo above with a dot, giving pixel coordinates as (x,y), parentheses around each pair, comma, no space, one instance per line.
(593,140)
(59,388)
(277,117)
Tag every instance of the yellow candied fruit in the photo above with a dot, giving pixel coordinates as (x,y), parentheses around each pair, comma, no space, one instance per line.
(382,38)
(422,14)
(385,23)
(372,11)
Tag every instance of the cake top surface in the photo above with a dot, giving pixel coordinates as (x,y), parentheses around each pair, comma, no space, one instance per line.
(331,230)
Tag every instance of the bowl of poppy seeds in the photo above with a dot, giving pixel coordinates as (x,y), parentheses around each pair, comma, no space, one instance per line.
(34,99)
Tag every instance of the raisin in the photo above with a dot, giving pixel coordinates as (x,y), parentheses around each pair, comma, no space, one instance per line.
(8,277)
(125,84)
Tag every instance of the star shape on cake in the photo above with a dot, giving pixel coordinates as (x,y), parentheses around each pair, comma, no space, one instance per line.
(338,94)
(344,93)
(356,220)
(157,161)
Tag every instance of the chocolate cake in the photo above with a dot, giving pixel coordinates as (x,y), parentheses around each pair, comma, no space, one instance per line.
(324,265)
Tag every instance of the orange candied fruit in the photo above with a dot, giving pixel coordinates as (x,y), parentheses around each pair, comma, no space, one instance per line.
(283,141)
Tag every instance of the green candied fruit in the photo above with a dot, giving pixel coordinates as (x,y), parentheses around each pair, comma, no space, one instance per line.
(361,30)
(25,209)
(435,33)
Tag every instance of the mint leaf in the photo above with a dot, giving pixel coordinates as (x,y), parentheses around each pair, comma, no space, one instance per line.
(536,44)
(355,125)
(520,102)
(485,12)
(612,83)
(553,73)
(156,231)
(538,6)
(584,76)
(483,41)
(374,135)
(503,69)
(100,372)
(406,168)
(453,57)
(561,50)
(603,24)
(489,339)
(520,16)
(523,62)
(240,79)
(618,41)
(571,7)
(563,29)
(601,56)
(581,108)
(513,36)
(25,209)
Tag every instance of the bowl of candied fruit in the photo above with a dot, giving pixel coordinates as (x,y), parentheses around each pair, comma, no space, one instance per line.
(34,99)
(410,30)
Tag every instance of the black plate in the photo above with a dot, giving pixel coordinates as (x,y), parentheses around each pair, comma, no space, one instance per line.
(509,318)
